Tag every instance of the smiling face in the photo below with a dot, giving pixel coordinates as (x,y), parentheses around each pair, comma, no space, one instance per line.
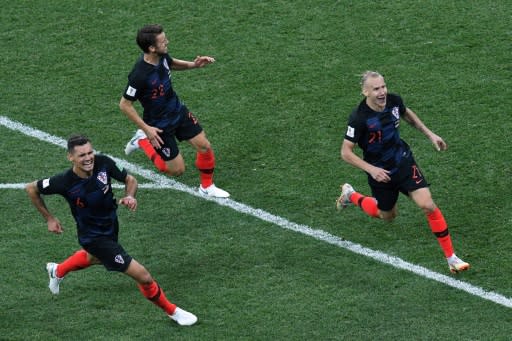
(82,158)
(160,46)
(375,91)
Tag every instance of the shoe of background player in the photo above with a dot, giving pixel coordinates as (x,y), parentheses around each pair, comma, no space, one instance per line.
(54,280)
(344,199)
(456,264)
(213,191)
(183,318)
(133,144)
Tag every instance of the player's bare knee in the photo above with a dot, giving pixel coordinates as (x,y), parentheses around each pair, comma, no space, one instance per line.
(428,207)
(175,171)
(179,172)
(146,278)
(388,216)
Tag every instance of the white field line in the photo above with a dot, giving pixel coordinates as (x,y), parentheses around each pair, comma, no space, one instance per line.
(161,182)
(143,185)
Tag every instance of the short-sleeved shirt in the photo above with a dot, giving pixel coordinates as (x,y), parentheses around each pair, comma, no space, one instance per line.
(377,133)
(152,86)
(91,200)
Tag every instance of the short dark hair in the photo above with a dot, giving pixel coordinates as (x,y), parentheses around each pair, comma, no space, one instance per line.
(146,36)
(77,140)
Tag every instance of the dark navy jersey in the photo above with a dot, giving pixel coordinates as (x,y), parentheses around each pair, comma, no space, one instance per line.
(377,133)
(152,86)
(91,200)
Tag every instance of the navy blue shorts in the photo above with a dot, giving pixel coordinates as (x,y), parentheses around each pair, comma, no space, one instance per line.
(110,253)
(406,179)
(185,128)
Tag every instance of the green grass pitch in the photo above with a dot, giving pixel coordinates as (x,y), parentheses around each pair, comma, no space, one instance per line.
(274,106)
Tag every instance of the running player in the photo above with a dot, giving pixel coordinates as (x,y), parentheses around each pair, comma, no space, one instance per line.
(389,162)
(165,118)
(88,191)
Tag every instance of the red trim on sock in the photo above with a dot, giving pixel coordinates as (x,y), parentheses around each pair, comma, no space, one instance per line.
(75,262)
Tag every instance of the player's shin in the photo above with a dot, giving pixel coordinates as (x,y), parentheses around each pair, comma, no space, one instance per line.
(155,294)
(440,229)
(205,163)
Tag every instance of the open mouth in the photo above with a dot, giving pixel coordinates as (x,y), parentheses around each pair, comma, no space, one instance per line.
(88,164)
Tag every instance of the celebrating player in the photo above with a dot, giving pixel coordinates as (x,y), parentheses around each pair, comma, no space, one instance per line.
(389,162)
(165,118)
(88,191)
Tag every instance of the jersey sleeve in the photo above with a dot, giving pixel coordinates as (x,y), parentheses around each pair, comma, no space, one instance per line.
(402,107)
(53,185)
(132,89)
(113,169)
(355,127)
(396,100)
(135,87)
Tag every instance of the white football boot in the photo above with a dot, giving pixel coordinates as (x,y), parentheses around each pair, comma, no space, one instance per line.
(54,280)
(213,191)
(133,144)
(183,317)
(344,200)
(456,264)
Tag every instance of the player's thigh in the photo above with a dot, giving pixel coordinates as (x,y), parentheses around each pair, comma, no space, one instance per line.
(423,199)
(110,253)
(176,166)
(200,142)
(190,130)
(385,194)
(169,149)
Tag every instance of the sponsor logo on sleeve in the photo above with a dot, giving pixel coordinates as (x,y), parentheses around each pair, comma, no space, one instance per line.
(350,131)
(131,91)
(46,183)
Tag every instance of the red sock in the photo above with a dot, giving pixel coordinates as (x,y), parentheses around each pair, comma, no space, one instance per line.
(440,229)
(205,163)
(367,204)
(155,294)
(75,262)
(150,152)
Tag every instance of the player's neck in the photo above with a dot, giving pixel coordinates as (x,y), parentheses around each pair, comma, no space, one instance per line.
(81,173)
(375,107)
(151,58)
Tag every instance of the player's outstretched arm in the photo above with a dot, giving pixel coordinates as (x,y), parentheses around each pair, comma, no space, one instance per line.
(199,61)
(130,190)
(413,119)
(34,195)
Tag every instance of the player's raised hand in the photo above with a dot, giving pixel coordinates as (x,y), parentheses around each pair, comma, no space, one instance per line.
(201,61)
